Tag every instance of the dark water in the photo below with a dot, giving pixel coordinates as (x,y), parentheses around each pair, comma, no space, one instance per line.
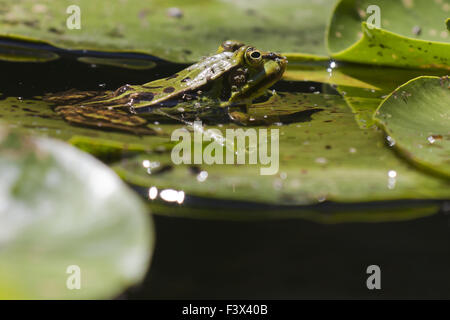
(263,259)
(297,259)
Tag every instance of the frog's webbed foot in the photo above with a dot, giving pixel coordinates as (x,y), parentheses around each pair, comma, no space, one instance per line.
(73,96)
(238,114)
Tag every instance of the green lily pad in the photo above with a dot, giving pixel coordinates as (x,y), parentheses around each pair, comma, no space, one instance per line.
(363,87)
(365,101)
(175,30)
(323,74)
(412,33)
(416,117)
(36,117)
(64,214)
(323,156)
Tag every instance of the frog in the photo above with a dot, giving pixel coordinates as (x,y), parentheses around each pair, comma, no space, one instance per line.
(219,88)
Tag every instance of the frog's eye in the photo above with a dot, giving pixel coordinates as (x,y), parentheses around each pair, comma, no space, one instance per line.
(253,57)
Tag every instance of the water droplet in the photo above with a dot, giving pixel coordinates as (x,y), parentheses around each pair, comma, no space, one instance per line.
(152,193)
(392,174)
(202,176)
(392,179)
(171,195)
(391,141)
(433,138)
(146,163)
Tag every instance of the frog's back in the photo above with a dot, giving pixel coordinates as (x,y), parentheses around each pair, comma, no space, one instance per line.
(166,91)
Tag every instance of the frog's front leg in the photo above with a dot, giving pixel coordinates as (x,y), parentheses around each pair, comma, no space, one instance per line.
(239,114)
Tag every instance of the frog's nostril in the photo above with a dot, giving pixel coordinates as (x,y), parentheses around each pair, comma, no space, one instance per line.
(274,56)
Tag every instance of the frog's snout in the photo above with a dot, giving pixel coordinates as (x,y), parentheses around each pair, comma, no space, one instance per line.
(281,60)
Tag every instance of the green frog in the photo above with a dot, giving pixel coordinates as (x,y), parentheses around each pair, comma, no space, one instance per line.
(219,87)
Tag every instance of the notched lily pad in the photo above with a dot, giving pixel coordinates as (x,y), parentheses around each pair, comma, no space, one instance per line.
(63,214)
(407,37)
(416,117)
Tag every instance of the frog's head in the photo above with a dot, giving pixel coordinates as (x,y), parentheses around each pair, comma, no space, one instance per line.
(255,72)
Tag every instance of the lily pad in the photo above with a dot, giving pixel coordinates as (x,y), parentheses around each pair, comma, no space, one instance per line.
(363,87)
(411,33)
(416,117)
(384,80)
(175,30)
(63,215)
(324,156)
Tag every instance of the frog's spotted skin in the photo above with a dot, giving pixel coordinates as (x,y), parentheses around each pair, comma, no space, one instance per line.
(233,77)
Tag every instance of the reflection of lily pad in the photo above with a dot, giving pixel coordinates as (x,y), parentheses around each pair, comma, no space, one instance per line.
(364,101)
(417,117)
(321,213)
(59,208)
(412,33)
(178,31)
(325,157)
(18,52)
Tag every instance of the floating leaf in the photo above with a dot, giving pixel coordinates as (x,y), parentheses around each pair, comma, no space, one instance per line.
(175,30)
(324,156)
(411,33)
(363,87)
(416,117)
(59,208)
(324,75)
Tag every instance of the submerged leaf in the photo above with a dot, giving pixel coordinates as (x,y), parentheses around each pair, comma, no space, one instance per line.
(322,156)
